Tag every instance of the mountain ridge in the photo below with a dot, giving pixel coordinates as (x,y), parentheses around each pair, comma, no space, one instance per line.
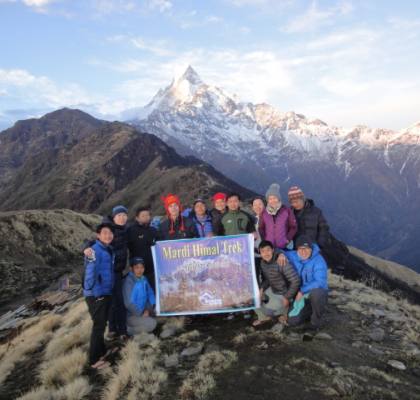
(349,172)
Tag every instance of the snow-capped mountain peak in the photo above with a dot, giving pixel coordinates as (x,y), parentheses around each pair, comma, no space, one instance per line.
(204,120)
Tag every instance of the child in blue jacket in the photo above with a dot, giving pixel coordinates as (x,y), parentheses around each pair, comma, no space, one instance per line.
(312,297)
(139,299)
(98,283)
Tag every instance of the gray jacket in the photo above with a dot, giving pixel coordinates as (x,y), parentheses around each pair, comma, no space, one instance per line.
(282,280)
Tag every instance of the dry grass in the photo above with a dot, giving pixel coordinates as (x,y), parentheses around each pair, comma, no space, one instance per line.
(188,336)
(28,341)
(177,323)
(201,381)
(137,375)
(75,314)
(63,369)
(75,390)
(240,338)
(39,393)
(67,338)
(376,373)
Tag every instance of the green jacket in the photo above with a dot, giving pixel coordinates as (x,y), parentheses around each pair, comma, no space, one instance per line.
(237,222)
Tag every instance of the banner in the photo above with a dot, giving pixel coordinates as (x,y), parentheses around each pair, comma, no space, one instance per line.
(205,276)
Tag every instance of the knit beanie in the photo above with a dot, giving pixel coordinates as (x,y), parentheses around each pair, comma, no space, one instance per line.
(119,210)
(273,190)
(167,201)
(295,192)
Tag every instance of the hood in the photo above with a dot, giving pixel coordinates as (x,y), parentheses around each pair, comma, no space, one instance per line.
(315,252)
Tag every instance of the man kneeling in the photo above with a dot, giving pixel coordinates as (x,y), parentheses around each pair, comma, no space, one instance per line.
(280,284)
(139,299)
(312,297)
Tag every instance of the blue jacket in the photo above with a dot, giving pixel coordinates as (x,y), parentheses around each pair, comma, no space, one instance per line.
(204,228)
(313,272)
(99,274)
(137,294)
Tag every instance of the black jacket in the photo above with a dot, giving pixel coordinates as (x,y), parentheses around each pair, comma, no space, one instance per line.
(189,232)
(141,238)
(282,280)
(119,244)
(311,223)
(216,221)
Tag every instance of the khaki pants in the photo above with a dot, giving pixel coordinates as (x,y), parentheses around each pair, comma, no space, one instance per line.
(273,308)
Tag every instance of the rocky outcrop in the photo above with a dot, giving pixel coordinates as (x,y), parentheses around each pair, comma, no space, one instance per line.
(38,247)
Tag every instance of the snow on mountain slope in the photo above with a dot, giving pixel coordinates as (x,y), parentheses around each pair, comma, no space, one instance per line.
(200,117)
(367,180)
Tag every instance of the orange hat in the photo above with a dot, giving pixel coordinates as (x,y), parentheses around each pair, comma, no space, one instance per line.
(171,199)
(167,201)
(219,196)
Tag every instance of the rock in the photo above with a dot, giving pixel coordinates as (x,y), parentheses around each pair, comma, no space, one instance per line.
(278,328)
(397,365)
(307,337)
(212,347)
(396,317)
(192,350)
(167,332)
(262,346)
(323,336)
(377,335)
(293,337)
(343,385)
(172,360)
(378,313)
(412,351)
(357,344)
(376,351)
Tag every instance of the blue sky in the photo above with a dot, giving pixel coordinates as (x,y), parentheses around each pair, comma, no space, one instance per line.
(347,62)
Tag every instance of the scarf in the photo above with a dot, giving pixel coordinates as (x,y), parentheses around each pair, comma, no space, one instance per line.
(273,210)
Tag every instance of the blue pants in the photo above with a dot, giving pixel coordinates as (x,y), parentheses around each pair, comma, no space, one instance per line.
(117,313)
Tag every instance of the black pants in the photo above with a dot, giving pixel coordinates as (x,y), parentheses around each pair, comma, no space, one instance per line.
(258,271)
(98,309)
(313,310)
(117,312)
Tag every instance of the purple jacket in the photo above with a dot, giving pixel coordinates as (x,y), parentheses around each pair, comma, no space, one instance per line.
(280,228)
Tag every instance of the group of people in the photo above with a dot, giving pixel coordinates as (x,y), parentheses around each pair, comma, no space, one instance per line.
(291,272)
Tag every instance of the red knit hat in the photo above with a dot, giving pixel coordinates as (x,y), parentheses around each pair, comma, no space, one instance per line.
(171,199)
(295,192)
(219,196)
(167,201)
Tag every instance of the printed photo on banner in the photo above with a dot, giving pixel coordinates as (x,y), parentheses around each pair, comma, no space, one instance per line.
(205,276)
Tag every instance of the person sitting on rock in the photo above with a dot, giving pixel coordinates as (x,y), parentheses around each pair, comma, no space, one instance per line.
(217,212)
(175,225)
(277,223)
(141,237)
(201,218)
(310,220)
(280,284)
(311,299)
(235,221)
(139,299)
(117,319)
(98,284)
